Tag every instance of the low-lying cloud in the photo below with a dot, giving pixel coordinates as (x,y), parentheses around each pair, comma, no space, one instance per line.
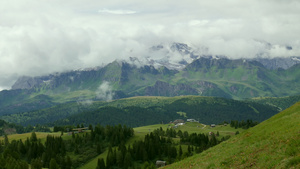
(85,102)
(104,92)
(42,37)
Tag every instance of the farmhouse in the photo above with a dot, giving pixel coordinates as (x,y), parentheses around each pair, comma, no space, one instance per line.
(178,121)
(79,130)
(160,163)
(212,125)
(192,120)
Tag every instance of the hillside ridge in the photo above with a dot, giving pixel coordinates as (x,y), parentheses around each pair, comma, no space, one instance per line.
(274,143)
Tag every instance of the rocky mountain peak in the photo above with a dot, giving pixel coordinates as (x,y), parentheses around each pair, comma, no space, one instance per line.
(26,82)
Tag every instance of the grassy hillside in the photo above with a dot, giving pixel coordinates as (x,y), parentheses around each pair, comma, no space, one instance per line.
(275,143)
(281,103)
(24,136)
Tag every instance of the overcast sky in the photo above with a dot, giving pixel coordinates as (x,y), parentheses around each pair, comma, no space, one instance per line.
(38,37)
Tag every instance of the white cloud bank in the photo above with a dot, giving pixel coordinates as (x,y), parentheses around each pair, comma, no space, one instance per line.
(41,37)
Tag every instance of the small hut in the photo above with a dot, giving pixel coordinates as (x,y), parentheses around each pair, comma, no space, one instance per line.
(160,163)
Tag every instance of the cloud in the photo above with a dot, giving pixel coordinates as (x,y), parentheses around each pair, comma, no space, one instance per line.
(117,12)
(104,92)
(85,102)
(42,37)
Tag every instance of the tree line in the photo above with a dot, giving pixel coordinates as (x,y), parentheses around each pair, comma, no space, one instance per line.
(53,153)
(243,124)
(12,128)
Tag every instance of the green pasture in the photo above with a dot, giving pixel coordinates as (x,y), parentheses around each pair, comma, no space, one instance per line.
(24,136)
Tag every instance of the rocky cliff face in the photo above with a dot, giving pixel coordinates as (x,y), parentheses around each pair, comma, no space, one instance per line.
(26,82)
(165,89)
(188,54)
(275,63)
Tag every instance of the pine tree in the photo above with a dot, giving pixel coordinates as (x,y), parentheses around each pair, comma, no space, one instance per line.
(213,140)
(101,164)
(76,149)
(180,151)
(109,158)
(146,165)
(33,137)
(53,164)
(120,159)
(63,162)
(189,150)
(45,160)
(68,163)
(36,163)
(99,148)
(127,160)
(6,142)
(173,152)
(21,147)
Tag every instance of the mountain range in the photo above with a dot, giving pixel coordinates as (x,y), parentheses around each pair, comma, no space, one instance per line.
(192,75)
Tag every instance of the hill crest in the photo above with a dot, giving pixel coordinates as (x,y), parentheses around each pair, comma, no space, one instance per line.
(274,143)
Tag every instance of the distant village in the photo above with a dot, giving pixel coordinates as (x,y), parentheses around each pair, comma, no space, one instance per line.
(180,122)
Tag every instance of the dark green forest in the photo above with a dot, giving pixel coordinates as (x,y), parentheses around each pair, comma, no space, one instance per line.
(207,111)
(158,145)
(140,112)
(54,152)
(11,128)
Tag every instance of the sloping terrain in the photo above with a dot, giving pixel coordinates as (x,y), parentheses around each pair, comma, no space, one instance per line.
(274,143)
(281,103)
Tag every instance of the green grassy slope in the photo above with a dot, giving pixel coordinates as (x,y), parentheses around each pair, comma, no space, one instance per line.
(281,103)
(275,143)
(24,136)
